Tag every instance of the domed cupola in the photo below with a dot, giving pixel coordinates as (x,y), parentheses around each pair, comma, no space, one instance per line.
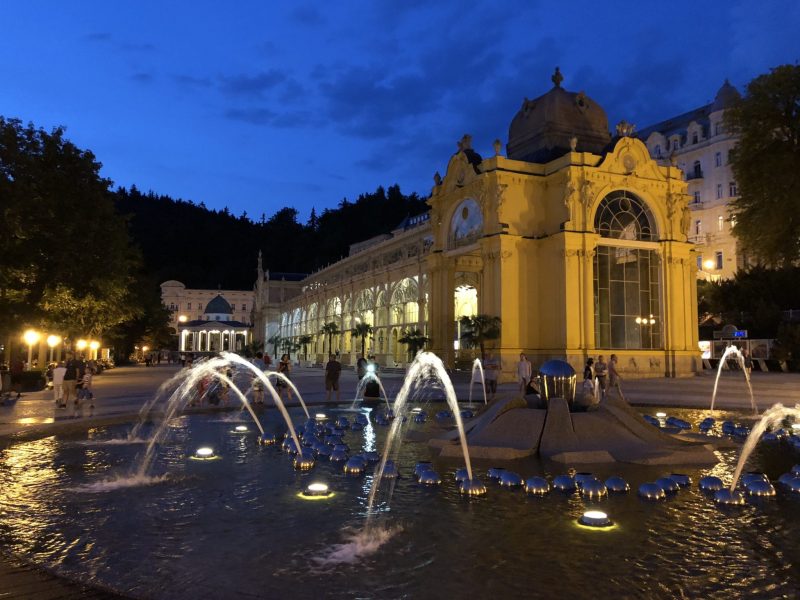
(726,97)
(218,309)
(555,123)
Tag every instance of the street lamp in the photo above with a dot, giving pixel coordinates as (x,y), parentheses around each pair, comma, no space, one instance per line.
(94,345)
(183,319)
(81,345)
(31,337)
(53,341)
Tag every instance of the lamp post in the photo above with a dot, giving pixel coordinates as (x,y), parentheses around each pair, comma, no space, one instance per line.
(81,345)
(53,341)
(94,345)
(708,266)
(31,337)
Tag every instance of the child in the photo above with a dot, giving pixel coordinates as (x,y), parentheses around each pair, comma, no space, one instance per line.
(85,393)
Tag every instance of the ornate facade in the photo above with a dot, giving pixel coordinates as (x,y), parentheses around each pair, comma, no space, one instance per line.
(576,240)
(698,143)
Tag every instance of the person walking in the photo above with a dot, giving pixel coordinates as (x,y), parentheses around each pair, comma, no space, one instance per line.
(524,372)
(332,372)
(15,373)
(84,394)
(58,383)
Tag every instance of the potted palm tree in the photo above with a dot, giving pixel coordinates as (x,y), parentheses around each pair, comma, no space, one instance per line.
(415,340)
(362,330)
(479,329)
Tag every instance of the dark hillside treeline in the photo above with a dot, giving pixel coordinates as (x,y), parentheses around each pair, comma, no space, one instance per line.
(208,248)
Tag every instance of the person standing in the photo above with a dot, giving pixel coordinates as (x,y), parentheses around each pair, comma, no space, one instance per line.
(258,384)
(84,394)
(524,372)
(361,367)
(332,372)
(613,376)
(58,383)
(285,368)
(601,373)
(748,363)
(70,385)
(15,373)
(491,371)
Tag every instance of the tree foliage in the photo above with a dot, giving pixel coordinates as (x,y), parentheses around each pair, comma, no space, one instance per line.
(184,241)
(329,330)
(766,165)
(479,329)
(66,262)
(415,340)
(362,331)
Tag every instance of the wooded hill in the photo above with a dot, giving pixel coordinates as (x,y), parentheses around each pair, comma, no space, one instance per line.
(205,248)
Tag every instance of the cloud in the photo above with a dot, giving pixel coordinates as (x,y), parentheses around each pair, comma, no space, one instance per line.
(250,85)
(190,81)
(307,15)
(142,77)
(100,36)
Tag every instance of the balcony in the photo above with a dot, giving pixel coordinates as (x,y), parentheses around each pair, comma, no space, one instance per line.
(696,174)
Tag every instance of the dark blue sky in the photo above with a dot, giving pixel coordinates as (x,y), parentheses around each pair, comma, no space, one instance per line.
(260,105)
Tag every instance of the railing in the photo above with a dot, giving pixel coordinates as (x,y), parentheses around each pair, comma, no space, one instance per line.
(694,175)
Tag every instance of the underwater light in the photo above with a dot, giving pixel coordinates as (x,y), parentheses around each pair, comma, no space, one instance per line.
(796,426)
(370,368)
(241,428)
(204,453)
(661,415)
(317,490)
(320,416)
(416,410)
(595,518)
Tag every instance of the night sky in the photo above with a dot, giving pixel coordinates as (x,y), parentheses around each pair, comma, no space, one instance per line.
(260,105)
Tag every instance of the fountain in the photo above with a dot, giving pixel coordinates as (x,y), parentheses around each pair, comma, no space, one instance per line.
(477,365)
(370,377)
(770,418)
(425,364)
(733,351)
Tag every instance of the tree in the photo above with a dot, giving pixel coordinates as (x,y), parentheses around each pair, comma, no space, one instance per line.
(288,346)
(66,261)
(330,330)
(766,165)
(304,341)
(252,348)
(415,340)
(362,330)
(275,341)
(478,330)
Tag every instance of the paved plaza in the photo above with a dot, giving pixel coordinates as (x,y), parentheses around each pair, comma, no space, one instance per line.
(121,392)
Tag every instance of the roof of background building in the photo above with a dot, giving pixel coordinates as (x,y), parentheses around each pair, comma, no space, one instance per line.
(726,96)
(279,275)
(218,306)
(198,322)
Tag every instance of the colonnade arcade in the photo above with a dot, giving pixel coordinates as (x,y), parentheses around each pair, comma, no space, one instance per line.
(213,340)
(390,308)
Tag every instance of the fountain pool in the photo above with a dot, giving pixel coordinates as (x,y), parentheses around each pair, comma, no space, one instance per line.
(240,524)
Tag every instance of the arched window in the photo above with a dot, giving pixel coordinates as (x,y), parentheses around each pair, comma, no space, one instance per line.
(623,216)
(627,275)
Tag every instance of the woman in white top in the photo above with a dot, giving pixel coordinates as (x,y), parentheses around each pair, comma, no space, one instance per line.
(524,371)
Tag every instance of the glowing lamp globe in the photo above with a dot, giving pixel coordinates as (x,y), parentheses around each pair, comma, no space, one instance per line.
(81,344)
(31,337)
(53,340)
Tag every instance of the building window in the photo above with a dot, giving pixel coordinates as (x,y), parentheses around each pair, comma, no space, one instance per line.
(733,222)
(732,190)
(657,151)
(718,129)
(720,223)
(697,197)
(626,279)
(698,227)
(719,260)
(719,190)
(698,171)
(244,306)
(189,306)
(718,159)
(694,138)
(699,262)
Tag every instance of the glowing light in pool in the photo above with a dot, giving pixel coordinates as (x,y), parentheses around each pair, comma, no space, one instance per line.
(796,426)
(370,368)
(320,416)
(595,518)
(241,428)
(661,415)
(204,453)
(416,409)
(316,491)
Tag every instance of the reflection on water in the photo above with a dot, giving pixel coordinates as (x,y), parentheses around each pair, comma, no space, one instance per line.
(236,527)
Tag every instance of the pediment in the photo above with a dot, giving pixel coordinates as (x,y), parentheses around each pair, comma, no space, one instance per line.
(631,157)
